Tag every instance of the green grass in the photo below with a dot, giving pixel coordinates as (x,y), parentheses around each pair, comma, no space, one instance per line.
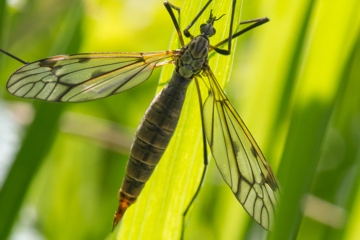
(295,82)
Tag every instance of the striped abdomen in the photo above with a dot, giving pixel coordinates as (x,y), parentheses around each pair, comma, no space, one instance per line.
(151,139)
(159,123)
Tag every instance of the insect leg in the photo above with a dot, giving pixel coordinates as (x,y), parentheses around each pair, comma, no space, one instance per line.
(186,30)
(257,20)
(206,161)
(169,7)
(228,51)
(13,56)
(256,23)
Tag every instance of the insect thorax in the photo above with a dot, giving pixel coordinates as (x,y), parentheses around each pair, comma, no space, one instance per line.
(194,57)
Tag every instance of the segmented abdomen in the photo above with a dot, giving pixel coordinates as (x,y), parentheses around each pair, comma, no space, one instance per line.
(151,139)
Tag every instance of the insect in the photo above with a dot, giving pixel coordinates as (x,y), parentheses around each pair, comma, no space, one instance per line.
(89,76)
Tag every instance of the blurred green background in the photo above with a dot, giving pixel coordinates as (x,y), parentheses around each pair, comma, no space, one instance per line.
(294,81)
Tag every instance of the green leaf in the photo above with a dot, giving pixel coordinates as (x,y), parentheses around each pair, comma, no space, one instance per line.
(312,171)
(36,144)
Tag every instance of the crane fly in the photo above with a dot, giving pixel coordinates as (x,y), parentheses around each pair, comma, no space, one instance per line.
(89,76)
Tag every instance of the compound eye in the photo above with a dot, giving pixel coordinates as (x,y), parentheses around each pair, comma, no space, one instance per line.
(203,28)
(210,31)
(214,32)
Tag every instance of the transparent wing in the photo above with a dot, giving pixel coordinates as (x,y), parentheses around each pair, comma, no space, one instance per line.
(238,157)
(84,77)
